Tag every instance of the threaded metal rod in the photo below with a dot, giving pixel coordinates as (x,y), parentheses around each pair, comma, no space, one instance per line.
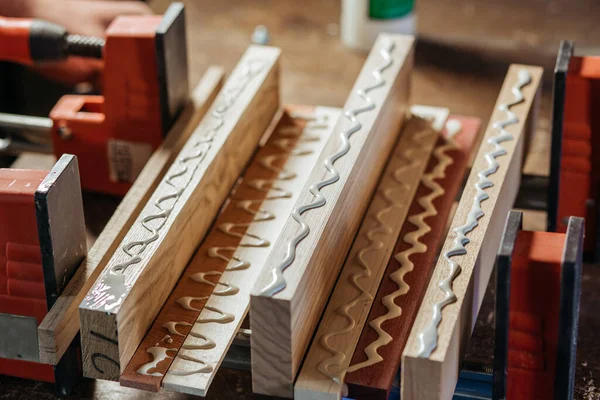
(84,46)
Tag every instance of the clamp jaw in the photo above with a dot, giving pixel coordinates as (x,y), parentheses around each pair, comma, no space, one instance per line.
(42,242)
(145,86)
(574,186)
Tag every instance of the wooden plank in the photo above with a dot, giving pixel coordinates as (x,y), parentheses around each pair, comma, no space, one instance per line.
(317,236)
(232,254)
(377,356)
(120,307)
(301,165)
(437,342)
(28,160)
(61,324)
(329,355)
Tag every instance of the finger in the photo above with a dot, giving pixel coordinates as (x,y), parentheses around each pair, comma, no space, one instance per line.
(105,12)
(73,71)
(90,17)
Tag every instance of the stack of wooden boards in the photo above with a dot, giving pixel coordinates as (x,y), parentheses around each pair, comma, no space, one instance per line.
(332,226)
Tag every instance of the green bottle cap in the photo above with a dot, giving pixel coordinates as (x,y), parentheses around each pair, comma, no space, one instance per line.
(389,9)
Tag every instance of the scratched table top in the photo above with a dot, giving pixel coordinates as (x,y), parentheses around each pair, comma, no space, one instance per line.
(463,53)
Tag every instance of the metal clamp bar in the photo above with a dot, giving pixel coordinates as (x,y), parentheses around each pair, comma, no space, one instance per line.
(9,146)
(25,122)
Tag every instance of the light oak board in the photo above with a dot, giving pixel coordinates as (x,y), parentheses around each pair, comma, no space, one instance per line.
(329,356)
(286,306)
(432,357)
(120,307)
(61,324)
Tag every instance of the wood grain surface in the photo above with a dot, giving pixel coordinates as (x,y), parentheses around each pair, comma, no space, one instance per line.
(121,305)
(331,350)
(285,308)
(61,324)
(434,376)
(425,225)
(232,255)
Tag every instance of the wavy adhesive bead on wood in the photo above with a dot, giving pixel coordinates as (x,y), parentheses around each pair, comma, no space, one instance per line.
(328,358)
(120,307)
(207,307)
(61,325)
(292,289)
(378,353)
(431,359)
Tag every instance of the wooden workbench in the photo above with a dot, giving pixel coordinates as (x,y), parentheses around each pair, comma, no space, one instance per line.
(460,63)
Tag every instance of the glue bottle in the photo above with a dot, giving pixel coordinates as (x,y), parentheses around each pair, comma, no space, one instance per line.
(363,20)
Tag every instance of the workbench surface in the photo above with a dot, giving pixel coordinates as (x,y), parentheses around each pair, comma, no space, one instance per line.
(461,60)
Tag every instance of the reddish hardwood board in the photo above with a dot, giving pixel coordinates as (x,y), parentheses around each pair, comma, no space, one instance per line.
(202,262)
(375,381)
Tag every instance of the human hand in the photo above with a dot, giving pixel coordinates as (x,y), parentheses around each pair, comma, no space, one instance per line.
(87,17)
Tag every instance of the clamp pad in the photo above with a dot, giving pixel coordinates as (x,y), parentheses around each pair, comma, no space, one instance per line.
(42,242)
(537,311)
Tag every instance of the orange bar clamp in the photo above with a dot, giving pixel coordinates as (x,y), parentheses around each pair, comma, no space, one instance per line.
(537,311)
(42,242)
(574,186)
(114,135)
(14,40)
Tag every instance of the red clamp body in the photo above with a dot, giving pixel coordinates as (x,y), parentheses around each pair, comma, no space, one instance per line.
(145,86)
(537,311)
(22,290)
(14,40)
(42,242)
(115,134)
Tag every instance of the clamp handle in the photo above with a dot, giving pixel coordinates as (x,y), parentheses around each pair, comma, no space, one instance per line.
(33,41)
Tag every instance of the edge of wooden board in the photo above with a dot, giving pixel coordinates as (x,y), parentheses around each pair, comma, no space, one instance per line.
(118,309)
(61,324)
(363,270)
(284,315)
(379,350)
(229,258)
(433,375)
(200,384)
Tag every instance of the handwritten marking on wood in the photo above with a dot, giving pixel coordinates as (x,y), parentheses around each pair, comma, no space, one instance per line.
(211,298)
(61,324)
(140,275)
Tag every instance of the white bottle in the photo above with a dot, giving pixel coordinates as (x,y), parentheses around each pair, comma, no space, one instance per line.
(363,20)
